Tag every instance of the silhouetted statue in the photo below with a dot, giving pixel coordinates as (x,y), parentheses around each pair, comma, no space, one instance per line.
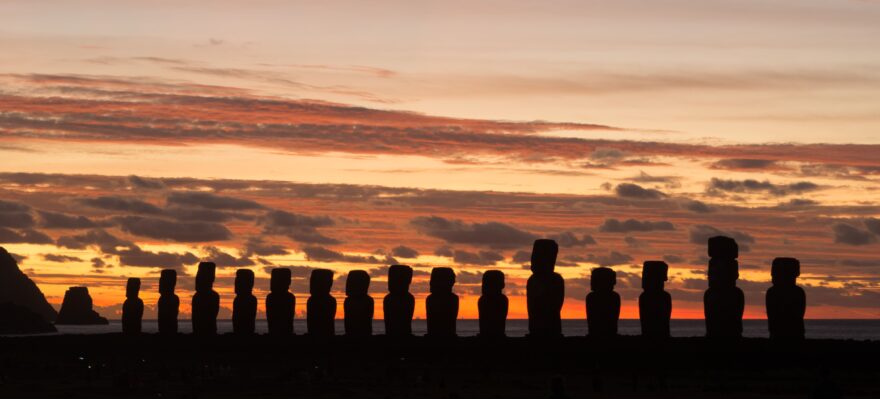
(206,301)
(169,303)
(280,303)
(786,302)
(132,308)
(244,307)
(492,305)
(399,304)
(321,306)
(603,304)
(441,305)
(77,308)
(358,305)
(545,291)
(723,302)
(655,304)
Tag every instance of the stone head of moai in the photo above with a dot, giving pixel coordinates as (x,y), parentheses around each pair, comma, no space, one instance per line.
(280,280)
(205,276)
(654,275)
(442,280)
(493,282)
(723,248)
(320,282)
(244,281)
(722,272)
(399,279)
(357,283)
(132,288)
(785,271)
(544,253)
(603,279)
(167,281)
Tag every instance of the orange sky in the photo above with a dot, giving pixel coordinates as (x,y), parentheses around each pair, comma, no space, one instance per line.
(136,136)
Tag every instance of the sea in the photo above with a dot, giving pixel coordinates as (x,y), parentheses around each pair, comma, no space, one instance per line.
(816,329)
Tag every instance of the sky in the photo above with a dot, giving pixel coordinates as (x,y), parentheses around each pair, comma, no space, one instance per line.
(138,136)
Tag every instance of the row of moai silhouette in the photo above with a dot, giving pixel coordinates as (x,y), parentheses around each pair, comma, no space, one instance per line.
(545,291)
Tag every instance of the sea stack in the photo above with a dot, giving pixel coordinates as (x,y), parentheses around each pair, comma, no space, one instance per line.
(17,288)
(77,308)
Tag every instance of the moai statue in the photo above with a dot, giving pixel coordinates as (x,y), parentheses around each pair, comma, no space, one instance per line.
(206,301)
(358,305)
(786,302)
(441,305)
(492,305)
(603,304)
(545,291)
(132,308)
(169,303)
(321,306)
(244,307)
(280,303)
(399,304)
(723,302)
(655,304)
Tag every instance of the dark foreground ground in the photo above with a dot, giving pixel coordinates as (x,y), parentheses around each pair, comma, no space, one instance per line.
(80,366)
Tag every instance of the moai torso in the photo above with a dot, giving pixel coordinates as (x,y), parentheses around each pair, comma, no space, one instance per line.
(493,305)
(206,301)
(280,303)
(786,302)
(442,305)
(358,305)
(545,291)
(132,308)
(244,306)
(321,306)
(655,304)
(603,304)
(399,304)
(169,303)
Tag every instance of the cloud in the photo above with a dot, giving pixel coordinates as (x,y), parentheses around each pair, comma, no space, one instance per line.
(445,251)
(873,225)
(635,191)
(698,207)
(61,258)
(24,236)
(673,259)
(13,207)
(568,240)
(494,235)
(100,238)
(223,259)
(752,186)
(631,225)
(53,220)
(613,258)
(256,246)
(521,257)
(175,113)
(123,204)
(16,220)
(151,184)
(211,201)
(482,258)
(321,254)
(846,234)
(700,234)
(172,230)
(301,228)
(402,251)
(135,256)
(745,164)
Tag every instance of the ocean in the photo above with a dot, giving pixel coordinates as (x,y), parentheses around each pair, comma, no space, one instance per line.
(817,329)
